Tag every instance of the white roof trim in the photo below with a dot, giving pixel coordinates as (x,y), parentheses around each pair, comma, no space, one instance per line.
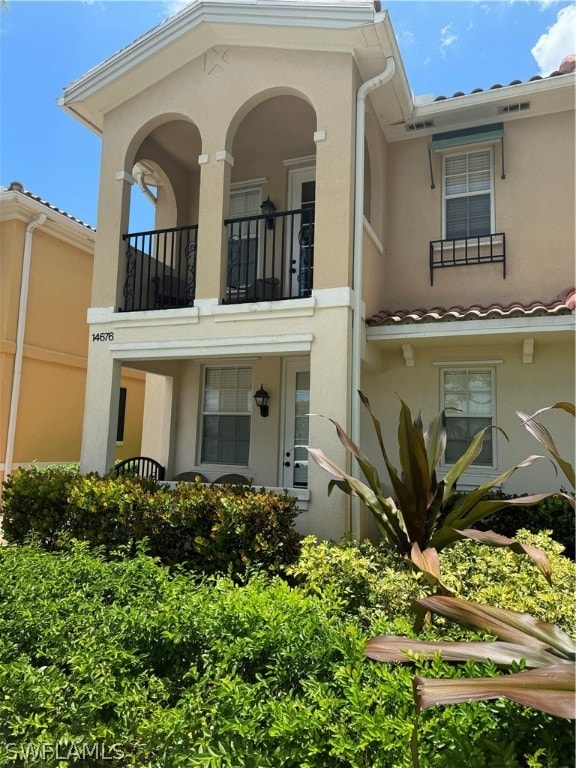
(19,206)
(287,13)
(465,328)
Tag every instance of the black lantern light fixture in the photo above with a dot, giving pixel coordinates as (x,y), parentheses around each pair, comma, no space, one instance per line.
(261,398)
(268,209)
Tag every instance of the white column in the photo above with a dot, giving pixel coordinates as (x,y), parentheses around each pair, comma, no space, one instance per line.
(100,410)
(157,418)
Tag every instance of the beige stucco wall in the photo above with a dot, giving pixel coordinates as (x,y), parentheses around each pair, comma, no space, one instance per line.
(231,110)
(216,104)
(518,386)
(534,207)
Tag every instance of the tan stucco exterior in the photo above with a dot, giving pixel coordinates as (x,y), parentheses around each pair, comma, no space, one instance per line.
(215,102)
(42,409)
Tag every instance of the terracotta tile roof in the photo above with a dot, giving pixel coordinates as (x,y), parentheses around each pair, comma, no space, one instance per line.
(564,304)
(494,87)
(16,186)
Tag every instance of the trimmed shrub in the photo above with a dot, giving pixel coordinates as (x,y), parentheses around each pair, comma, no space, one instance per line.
(501,578)
(35,501)
(228,528)
(212,529)
(364,580)
(169,671)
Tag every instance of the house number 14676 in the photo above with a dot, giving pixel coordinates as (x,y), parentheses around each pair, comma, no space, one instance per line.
(107,336)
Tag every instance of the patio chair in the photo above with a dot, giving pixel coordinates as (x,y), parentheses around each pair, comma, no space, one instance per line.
(142,466)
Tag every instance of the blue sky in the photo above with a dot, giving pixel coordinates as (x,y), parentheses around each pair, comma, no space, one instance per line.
(47,44)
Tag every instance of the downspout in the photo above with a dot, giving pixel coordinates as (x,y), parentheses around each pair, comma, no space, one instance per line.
(19,354)
(357,324)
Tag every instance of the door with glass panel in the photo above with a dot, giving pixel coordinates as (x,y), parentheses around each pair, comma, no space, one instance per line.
(300,261)
(296,418)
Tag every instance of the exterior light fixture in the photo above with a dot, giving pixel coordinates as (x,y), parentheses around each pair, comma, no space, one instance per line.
(261,398)
(268,209)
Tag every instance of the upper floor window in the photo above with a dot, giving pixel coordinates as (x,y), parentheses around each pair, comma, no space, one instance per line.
(226,409)
(468,194)
(468,400)
(243,252)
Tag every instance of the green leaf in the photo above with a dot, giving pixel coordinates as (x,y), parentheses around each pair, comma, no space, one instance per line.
(428,563)
(512,626)
(549,689)
(384,509)
(493,539)
(404,650)
(458,517)
(543,436)
(460,466)
(435,438)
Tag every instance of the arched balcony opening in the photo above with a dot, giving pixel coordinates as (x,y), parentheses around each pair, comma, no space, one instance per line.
(270,224)
(161,244)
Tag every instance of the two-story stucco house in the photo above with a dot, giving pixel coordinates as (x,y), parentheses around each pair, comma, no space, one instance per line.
(46,263)
(310,216)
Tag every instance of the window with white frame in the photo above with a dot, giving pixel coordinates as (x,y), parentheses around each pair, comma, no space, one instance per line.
(468,401)
(226,415)
(468,194)
(244,246)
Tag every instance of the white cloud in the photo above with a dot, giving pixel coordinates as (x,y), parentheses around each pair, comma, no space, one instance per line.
(447,38)
(557,42)
(407,36)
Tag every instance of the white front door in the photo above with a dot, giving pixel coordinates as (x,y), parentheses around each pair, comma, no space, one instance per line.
(301,196)
(296,410)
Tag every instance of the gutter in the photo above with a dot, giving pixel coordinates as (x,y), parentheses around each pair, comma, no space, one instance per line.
(22,308)
(363,91)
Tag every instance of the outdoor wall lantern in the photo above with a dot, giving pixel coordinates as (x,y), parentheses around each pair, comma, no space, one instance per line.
(268,209)
(261,397)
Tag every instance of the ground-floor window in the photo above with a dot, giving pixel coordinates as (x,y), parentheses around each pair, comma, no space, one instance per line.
(226,414)
(468,400)
(121,415)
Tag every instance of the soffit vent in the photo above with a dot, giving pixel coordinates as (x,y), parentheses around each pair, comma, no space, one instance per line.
(511,108)
(411,127)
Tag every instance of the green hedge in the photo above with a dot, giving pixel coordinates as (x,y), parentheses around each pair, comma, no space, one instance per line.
(373,583)
(205,528)
(163,670)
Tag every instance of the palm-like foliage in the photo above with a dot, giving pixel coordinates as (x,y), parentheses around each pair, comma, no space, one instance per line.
(544,437)
(547,651)
(426,514)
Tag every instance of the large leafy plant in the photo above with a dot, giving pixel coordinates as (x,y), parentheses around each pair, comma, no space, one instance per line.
(426,514)
(544,437)
(548,653)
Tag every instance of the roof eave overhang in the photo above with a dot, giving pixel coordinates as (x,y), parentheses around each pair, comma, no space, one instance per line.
(20,207)
(472,328)
(547,96)
(321,26)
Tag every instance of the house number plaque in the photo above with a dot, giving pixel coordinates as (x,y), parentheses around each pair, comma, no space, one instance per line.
(106,336)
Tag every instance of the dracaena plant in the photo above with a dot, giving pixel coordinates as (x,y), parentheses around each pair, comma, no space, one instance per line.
(548,653)
(426,514)
(544,437)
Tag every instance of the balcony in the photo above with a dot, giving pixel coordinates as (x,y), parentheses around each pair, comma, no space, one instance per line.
(160,269)
(462,252)
(270,257)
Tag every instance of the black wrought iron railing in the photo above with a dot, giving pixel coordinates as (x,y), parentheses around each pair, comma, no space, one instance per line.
(160,269)
(461,252)
(270,257)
